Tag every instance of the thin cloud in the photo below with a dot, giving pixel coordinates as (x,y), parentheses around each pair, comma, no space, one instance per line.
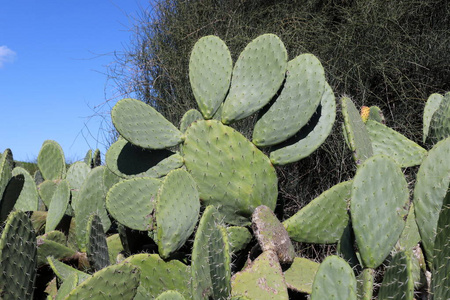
(6,55)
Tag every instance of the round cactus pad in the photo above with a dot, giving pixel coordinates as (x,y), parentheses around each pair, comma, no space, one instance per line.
(231,173)
(143,126)
(51,161)
(210,69)
(257,76)
(334,280)
(131,202)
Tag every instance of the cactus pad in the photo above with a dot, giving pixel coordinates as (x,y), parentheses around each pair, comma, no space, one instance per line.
(96,248)
(385,140)
(299,98)
(257,76)
(379,207)
(127,160)
(311,136)
(29,197)
(356,132)
(177,210)
(171,275)
(17,257)
(210,69)
(51,161)
(131,202)
(58,205)
(432,183)
(262,279)
(300,275)
(113,282)
(397,282)
(324,219)
(334,280)
(143,126)
(231,173)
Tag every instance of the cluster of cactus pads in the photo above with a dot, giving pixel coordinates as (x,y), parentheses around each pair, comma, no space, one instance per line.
(187,212)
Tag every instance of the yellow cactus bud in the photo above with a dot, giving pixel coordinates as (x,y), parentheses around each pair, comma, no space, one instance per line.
(365,111)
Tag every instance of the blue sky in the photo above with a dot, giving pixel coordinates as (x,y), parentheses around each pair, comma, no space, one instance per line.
(53,63)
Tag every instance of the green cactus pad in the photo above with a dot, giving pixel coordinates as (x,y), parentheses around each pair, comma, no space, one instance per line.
(210,67)
(262,279)
(432,105)
(109,179)
(51,161)
(171,275)
(311,136)
(64,272)
(76,175)
(46,190)
(324,219)
(113,282)
(300,275)
(387,141)
(66,287)
(91,199)
(432,183)
(96,248)
(170,295)
(211,261)
(38,219)
(378,208)
(334,280)
(257,76)
(200,266)
(301,94)
(271,235)
(47,247)
(29,197)
(143,126)
(10,196)
(356,132)
(238,237)
(397,282)
(188,118)
(177,210)
(410,236)
(17,257)
(58,205)
(5,173)
(231,173)
(127,160)
(114,247)
(440,280)
(375,114)
(132,202)
(88,157)
(440,121)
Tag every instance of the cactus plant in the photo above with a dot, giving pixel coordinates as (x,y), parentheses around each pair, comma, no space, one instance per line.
(18,259)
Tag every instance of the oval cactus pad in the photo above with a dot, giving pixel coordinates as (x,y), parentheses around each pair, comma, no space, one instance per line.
(379,206)
(143,126)
(210,68)
(257,76)
(231,173)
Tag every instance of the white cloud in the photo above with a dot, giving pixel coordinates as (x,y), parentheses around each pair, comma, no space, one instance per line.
(6,55)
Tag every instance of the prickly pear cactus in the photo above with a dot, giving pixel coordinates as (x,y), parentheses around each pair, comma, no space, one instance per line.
(18,259)
(230,171)
(334,280)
